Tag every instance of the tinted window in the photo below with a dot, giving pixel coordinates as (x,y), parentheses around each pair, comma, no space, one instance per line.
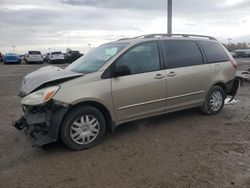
(182,53)
(142,58)
(56,53)
(34,53)
(11,54)
(214,52)
(74,52)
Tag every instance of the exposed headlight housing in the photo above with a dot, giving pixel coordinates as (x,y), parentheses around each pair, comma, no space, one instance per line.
(40,97)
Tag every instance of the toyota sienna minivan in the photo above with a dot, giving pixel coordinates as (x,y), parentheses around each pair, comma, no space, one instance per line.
(123,81)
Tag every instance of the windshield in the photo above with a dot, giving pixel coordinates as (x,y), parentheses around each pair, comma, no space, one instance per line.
(94,60)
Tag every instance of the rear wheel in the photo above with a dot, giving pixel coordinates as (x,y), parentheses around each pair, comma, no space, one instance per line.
(83,128)
(214,101)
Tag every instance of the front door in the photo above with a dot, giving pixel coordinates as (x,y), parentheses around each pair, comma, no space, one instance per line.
(143,92)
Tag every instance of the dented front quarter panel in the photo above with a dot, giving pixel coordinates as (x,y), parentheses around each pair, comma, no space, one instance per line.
(43,122)
(90,88)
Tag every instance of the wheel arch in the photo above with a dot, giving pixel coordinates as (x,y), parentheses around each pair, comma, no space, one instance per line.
(205,109)
(222,85)
(102,108)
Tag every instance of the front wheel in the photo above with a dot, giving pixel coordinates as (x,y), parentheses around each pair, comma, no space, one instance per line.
(214,101)
(83,128)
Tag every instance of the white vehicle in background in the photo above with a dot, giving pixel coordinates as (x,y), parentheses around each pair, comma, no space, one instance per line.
(55,57)
(34,57)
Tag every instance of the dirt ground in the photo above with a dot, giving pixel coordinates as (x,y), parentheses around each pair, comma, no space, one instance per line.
(182,149)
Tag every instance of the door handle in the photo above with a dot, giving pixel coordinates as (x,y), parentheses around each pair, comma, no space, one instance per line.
(171,74)
(159,76)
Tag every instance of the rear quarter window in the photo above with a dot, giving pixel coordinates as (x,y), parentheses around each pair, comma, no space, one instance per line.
(214,52)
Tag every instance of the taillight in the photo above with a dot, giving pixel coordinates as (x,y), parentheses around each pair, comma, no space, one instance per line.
(234,63)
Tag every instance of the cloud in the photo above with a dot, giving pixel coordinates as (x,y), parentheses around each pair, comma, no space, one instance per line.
(59,24)
(120,4)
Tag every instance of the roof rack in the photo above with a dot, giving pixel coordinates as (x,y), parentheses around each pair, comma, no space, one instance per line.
(124,39)
(175,35)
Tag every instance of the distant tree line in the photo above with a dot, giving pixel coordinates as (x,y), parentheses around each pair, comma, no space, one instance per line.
(240,45)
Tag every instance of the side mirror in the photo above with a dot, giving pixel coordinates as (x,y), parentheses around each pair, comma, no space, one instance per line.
(121,71)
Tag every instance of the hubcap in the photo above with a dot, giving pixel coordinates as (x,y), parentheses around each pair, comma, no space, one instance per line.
(84,129)
(216,100)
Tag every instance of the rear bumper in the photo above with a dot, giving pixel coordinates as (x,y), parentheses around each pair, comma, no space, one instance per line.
(34,60)
(42,124)
(12,61)
(56,60)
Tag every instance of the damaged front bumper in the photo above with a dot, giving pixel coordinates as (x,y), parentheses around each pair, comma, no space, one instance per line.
(42,123)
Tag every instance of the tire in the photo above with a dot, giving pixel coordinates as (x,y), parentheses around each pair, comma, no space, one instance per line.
(77,136)
(218,95)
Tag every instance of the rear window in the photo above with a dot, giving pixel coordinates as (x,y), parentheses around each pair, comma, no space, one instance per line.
(214,52)
(182,53)
(56,53)
(11,54)
(34,53)
(74,52)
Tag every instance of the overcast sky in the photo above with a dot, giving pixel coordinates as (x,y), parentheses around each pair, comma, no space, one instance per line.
(58,24)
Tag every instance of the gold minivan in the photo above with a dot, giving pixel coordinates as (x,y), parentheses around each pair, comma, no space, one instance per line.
(123,81)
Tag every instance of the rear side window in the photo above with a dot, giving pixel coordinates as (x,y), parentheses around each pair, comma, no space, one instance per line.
(182,53)
(214,52)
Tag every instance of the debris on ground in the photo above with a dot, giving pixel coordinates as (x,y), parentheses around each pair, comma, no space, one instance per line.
(231,102)
(243,76)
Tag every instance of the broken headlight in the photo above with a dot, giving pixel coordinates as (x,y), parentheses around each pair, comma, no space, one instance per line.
(40,97)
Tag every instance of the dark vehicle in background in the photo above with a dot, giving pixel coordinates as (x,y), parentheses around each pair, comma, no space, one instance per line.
(71,56)
(1,57)
(11,58)
(45,57)
(55,57)
(22,57)
(34,57)
(241,53)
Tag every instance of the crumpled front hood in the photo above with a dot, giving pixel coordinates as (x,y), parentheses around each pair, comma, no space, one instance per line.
(45,75)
